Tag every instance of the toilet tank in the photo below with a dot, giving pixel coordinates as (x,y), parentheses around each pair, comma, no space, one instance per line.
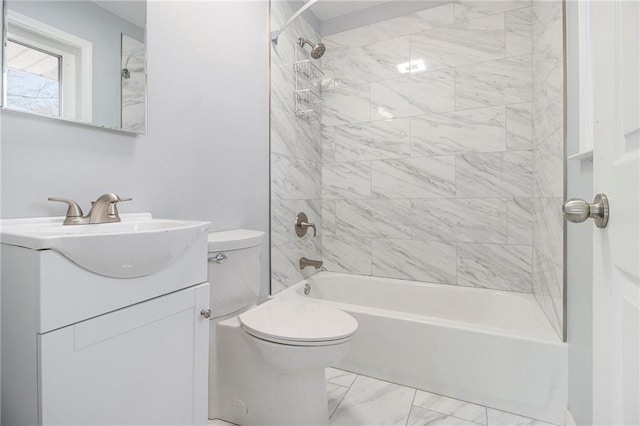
(235,264)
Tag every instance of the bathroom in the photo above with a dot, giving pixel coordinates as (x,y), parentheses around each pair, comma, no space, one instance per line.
(210,152)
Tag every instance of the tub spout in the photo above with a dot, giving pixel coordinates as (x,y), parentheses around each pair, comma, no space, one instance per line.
(304,262)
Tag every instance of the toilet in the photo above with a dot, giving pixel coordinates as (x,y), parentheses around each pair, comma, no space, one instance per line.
(267,361)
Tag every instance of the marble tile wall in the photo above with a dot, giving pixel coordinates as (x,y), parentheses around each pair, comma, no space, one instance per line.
(548,157)
(296,151)
(440,174)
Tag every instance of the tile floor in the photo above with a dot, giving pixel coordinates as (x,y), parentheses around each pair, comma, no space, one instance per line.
(357,400)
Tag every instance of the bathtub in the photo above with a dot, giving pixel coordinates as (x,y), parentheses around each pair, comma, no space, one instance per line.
(492,348)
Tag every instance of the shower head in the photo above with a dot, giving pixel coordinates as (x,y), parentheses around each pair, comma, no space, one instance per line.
(317,50)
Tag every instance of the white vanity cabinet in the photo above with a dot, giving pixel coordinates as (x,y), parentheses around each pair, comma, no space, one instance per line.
(79,348)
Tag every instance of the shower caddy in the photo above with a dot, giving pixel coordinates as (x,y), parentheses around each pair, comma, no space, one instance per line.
(308,89)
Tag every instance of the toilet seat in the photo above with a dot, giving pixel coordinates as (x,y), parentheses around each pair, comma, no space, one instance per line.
(298,323)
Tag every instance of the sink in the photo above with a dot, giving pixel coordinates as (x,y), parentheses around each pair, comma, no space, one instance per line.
(138,246)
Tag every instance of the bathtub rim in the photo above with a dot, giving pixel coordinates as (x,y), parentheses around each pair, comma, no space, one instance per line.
(295,291)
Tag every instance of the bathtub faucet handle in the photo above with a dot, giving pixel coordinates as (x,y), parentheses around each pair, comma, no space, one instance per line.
(302,224)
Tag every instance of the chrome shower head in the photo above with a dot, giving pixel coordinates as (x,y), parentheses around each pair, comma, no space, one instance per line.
(317,50)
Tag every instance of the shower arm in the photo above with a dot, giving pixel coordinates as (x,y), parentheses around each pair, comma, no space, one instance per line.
(276,34)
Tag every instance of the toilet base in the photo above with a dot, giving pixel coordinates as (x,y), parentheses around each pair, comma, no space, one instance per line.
(255,382)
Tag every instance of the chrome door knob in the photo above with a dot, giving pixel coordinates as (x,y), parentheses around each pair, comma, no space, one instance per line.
(576,210)
(206,313)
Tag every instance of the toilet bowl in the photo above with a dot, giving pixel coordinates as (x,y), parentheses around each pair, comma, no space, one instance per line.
(267,361)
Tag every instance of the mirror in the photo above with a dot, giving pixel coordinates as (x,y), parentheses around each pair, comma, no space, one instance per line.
(77,60)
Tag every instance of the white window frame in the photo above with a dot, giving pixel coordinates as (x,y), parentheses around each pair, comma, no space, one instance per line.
(77,62)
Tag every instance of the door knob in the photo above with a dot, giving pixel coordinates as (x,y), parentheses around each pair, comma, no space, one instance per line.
(576,210)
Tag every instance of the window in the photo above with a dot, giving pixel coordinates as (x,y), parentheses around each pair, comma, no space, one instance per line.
(33,80)
(48,70)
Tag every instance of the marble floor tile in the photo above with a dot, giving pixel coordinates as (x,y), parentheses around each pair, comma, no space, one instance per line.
(501,418)
(452,407)
(422,417)
(218,422)
(374,402)
(335,393)
(340,377)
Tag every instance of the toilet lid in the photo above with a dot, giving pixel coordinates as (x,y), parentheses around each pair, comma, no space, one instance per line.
(297,322)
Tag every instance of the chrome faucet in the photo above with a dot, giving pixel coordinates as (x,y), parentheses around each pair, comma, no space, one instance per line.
(103,210)
(304,262)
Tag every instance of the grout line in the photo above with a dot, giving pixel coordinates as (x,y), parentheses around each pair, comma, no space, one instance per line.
(415,392)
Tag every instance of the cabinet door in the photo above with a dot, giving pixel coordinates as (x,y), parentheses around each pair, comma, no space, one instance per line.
(144,364)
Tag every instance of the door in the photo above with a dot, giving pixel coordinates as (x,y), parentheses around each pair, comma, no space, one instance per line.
(146,364)
(616,131)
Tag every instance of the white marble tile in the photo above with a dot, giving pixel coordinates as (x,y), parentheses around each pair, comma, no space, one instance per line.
(372,62)
(285,268)
(548,283)
(351,255)
(372,141)
(500,174)
(547,222)
(495,266)
(335,394)
(374,402)
(453,407)
(428,177)
(430,261)
(348,39)
(501,82)
(519,126)
(438,16)
(346,180)
(422,417)
(327,66)
(339,377)
(548,166)
(293,179)
(501,418)
(518,35)
(373,218)
(547,30)
(308,140)
(329,217)
(464,220)
(282,87)
(419,94)
(461,44)
(472,9)
(328,136)
(283,132)
(478,130)
(346,105)
(282,231)
(520,221)
(547,118)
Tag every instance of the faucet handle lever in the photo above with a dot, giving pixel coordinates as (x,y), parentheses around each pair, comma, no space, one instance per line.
(112,209)
(73,210)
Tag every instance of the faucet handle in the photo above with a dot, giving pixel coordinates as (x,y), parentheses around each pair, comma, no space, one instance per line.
(112,209)
(74,212)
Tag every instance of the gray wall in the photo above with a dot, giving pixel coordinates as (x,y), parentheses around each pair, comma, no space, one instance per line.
(579,249)
(95,24)
(206,155)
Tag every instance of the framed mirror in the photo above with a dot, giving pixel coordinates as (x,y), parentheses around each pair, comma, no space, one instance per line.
(77,60)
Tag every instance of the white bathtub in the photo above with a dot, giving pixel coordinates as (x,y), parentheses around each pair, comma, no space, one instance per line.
(492,348)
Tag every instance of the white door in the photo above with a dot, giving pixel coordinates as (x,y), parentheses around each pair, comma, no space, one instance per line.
(616,131)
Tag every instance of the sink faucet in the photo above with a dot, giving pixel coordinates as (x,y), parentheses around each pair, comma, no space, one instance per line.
(103,210)
(304,262)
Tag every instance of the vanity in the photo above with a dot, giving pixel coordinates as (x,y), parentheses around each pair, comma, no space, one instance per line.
(104,323)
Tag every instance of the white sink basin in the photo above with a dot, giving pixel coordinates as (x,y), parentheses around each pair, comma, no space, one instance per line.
(138,246)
